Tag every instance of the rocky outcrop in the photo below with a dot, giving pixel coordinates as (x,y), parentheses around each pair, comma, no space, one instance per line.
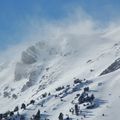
(113,67)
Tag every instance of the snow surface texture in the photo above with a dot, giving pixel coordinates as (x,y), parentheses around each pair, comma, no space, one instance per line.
(47,65)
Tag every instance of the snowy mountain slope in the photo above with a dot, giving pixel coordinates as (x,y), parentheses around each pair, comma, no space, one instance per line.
(47,65)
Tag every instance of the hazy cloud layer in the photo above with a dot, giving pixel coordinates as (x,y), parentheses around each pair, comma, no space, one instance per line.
(76,23)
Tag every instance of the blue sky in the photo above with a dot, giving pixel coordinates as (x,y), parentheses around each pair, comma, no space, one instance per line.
(15,14)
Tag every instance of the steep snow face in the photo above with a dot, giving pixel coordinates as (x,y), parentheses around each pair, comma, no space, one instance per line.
(49,64)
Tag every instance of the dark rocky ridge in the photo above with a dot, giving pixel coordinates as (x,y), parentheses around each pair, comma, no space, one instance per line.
(113,67)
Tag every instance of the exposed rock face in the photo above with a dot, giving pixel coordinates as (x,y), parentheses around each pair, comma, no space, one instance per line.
(28,58)
(33,53)
(114,66)
(32,77)
(20,71)
(31,64)
(38,53)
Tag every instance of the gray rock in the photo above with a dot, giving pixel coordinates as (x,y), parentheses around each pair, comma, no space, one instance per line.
(113,67)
